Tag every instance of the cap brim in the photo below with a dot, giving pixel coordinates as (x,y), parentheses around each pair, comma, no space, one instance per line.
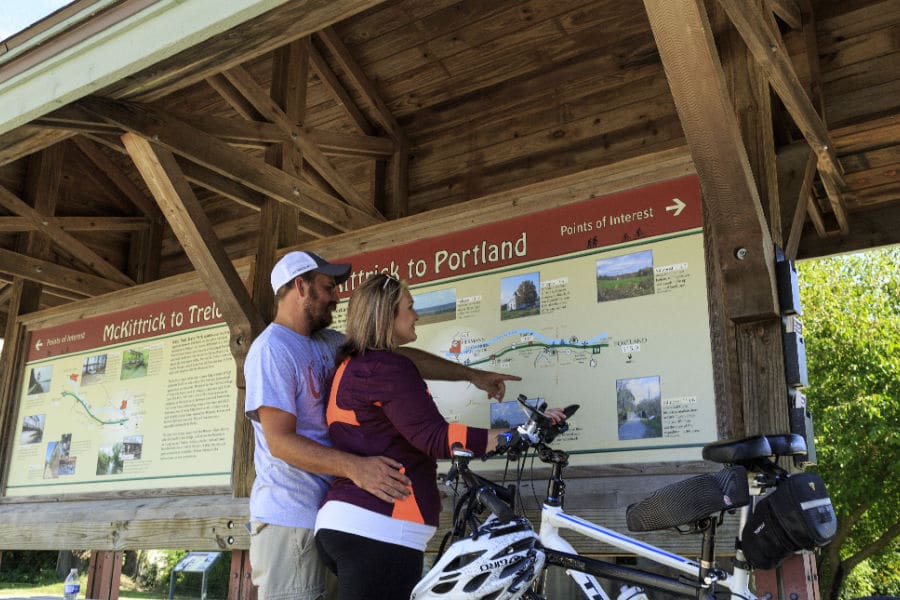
(340,272)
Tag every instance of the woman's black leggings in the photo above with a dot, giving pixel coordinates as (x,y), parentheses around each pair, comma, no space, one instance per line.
(367,569)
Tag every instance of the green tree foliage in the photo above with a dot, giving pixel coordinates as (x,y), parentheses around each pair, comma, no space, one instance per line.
(851,326)
(526,293)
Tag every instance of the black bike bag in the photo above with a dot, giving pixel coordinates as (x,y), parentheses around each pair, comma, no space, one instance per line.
(797,515)
(688,501)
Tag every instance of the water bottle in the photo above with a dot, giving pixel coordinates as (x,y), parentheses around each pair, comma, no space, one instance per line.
(72,586)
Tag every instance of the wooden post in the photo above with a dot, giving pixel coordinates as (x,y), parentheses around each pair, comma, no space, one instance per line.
(795,579)
(240,586)
(104,575)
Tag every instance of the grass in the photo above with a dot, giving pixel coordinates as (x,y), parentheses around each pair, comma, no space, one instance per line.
(127,591)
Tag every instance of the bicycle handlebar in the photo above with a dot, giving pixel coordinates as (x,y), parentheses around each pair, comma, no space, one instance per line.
(538,430)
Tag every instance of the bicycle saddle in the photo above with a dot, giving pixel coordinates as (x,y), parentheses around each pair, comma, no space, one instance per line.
(745,451)
(787,444)
(689,501)
(738,451)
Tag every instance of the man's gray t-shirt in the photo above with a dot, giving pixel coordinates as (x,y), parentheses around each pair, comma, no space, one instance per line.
(290,372)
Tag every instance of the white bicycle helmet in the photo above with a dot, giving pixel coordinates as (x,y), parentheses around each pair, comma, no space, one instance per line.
(498,562)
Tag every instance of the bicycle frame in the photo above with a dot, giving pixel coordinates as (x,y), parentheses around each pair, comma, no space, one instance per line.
(694,578)
(554,518)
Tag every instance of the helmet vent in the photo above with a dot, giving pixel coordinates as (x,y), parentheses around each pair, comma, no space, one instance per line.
(462,560)
(476,582)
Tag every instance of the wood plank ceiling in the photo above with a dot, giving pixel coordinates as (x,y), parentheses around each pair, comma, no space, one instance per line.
(413,105)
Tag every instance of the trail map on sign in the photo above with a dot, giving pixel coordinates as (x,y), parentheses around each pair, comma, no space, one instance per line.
(142,398)
(601,304)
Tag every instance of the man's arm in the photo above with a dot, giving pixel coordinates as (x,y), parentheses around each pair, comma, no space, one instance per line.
(432,366)
(378,475)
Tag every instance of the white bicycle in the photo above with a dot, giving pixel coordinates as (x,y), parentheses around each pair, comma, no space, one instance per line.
(502,557)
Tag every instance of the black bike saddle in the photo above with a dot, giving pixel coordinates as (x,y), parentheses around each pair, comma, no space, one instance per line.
(738,451)
(743,451)
(787,444)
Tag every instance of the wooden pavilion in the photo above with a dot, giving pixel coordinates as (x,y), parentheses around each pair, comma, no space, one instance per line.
(150,148)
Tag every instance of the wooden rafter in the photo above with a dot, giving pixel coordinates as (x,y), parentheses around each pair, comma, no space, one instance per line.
(361,83)
(117,177)
(237,132)
(249,89)
(234,98)
(71,118)
(787,11)
(808,30)
(806,205)
(397,198)
(51,274)
(27,140)
(192,228)
(62,239)
(740,233)
(771,54)
(123,224)
(260,134)
(339,92)
(796,170)
(871,228)
(208,151)
(232,190)
(344,144)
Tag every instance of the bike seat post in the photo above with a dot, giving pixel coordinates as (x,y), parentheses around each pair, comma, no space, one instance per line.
(707,559)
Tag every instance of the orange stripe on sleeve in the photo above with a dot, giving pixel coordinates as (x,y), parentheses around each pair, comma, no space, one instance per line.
(334,413)
(456,433)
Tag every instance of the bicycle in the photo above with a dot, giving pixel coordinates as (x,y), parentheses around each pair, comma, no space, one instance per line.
(502,557)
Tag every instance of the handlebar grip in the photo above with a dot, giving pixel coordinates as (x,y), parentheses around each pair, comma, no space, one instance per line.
(505,441)
(497,506)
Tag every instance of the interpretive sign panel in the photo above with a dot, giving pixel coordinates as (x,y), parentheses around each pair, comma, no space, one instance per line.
(141,398)
(601,303)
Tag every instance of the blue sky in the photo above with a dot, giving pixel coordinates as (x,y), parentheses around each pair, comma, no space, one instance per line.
(16,15)
(630,263)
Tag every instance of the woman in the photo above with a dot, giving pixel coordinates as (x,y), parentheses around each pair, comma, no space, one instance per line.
(380,405)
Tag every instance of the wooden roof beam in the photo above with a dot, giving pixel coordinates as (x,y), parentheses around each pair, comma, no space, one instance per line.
(260,134)
(796,171)
(192,228)
(808,30)
(740,234)
(234,98)
(208,151)
(871,229)
(397,198)
(62,239)
(243,82)
(336,143)
(787,11)
(774,59)
(233,191)
(73,118)
(50,274)
(361,84)
(29,139)
(96,224)
(117,177)
(339,92)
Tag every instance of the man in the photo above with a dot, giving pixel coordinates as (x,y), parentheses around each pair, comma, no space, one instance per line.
(288,370)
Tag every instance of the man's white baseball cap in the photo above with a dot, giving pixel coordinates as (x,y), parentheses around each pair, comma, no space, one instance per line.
(297,263)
